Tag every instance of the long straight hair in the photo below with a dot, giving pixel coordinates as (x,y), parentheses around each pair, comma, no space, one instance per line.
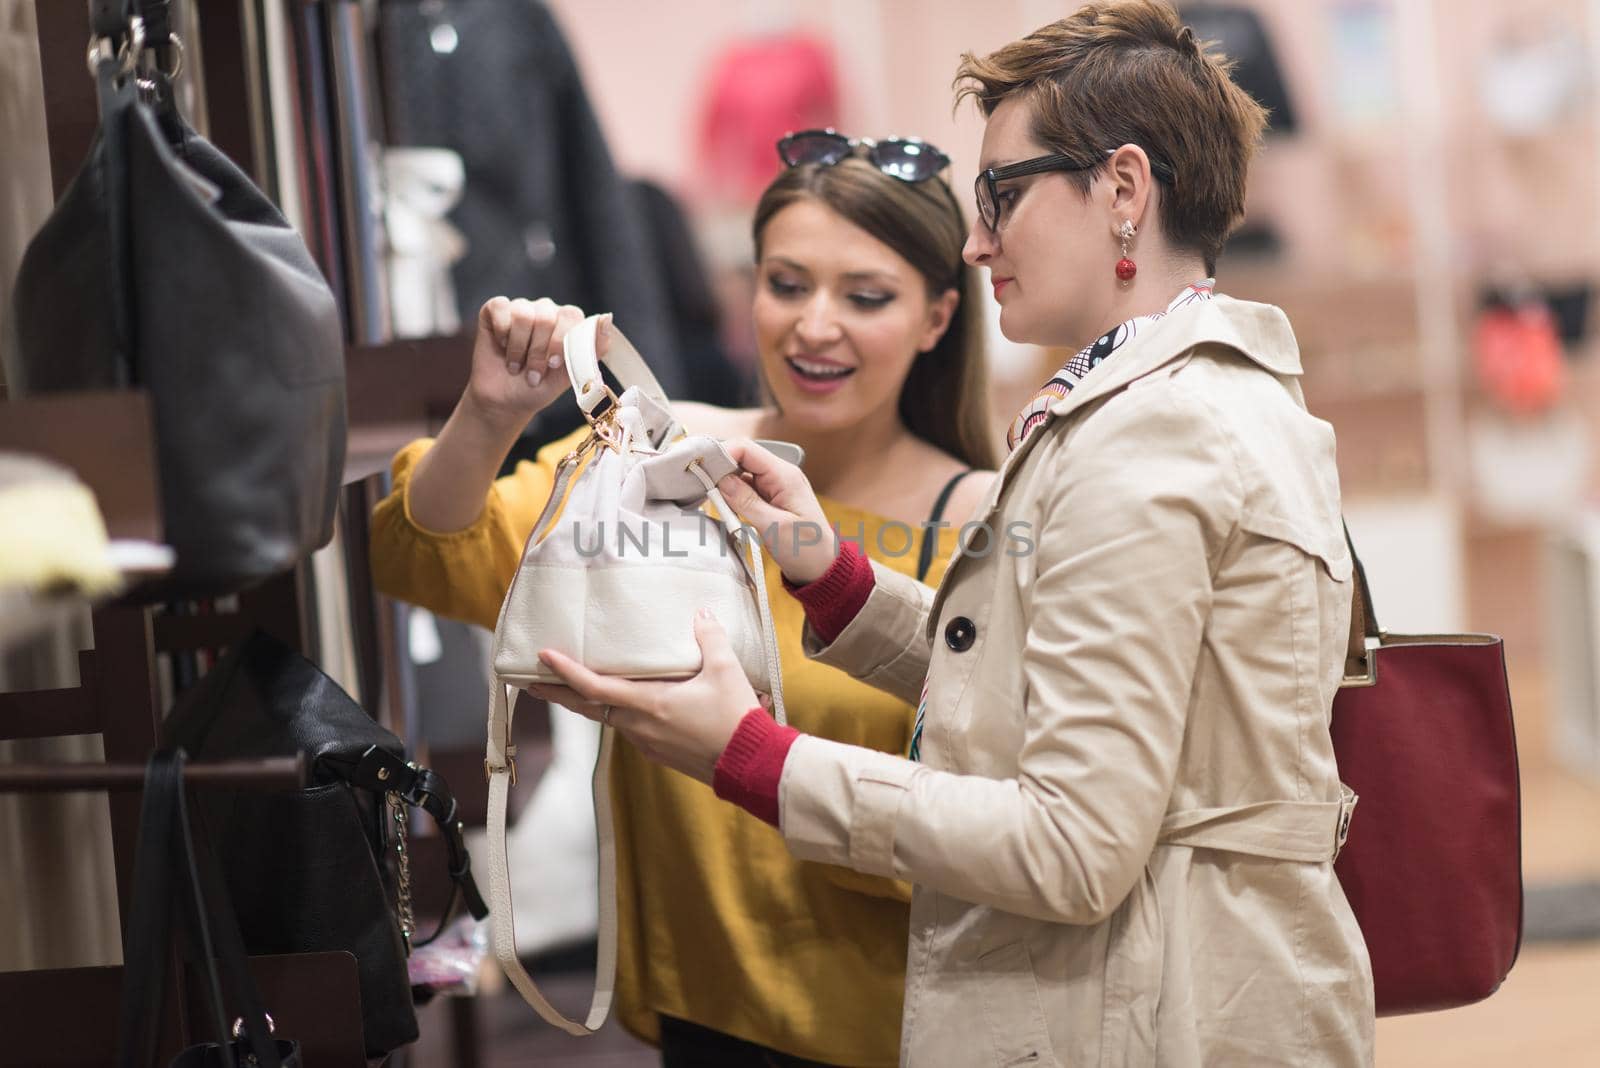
(945,397)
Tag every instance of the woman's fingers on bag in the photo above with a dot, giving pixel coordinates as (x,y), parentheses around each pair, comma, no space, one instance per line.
(760,480)
(753,458)
(517,335)
(778,481)
(496,327)
(716,652)
(719,664)
(531,324)
(495,317)
(597,690)
(750,506)
(567,697)
(567,317)
(684,725)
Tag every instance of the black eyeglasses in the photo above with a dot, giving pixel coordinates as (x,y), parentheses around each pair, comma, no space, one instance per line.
(905,158)
(991,207)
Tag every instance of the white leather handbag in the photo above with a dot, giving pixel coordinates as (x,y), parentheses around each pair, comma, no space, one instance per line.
(622,556)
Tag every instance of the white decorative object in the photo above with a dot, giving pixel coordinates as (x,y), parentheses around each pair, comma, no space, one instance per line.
(422,184)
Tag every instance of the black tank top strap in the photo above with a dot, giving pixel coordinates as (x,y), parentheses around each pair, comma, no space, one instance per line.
(930,532)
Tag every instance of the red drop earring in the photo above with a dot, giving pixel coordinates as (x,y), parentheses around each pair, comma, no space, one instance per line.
(1126,268)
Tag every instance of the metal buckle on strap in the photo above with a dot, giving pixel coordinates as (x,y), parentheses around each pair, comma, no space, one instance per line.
(510,765)
(1347,808)
(588,400)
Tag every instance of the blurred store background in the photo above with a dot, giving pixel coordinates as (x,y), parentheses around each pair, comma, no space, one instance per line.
(1426,209)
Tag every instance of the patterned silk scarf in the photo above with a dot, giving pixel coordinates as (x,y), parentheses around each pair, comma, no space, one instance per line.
(1063,381)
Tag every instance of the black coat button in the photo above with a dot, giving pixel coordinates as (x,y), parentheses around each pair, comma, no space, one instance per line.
(960,634)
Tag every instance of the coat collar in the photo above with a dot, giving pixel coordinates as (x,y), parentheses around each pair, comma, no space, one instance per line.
(1260,332)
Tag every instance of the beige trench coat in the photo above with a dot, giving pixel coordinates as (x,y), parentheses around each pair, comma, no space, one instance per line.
(1123,826)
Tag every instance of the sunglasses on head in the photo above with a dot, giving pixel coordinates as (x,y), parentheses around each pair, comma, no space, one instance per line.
(905,158)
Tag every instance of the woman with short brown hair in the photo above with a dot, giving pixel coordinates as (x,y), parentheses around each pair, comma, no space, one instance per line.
(1121,807)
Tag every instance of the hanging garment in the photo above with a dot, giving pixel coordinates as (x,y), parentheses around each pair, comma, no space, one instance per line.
(544,212)
(692,309)
(761,89)
(1240,35)
(25,197)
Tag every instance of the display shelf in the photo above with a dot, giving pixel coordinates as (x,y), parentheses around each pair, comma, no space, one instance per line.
(68,1016)
(407,381)
(397,392)
(106,439)
(52,713)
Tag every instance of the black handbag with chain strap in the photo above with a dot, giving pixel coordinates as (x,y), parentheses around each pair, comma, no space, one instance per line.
(308,869)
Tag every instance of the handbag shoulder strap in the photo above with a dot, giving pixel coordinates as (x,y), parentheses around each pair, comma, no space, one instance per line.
(147,925)
(930,529)
(583,364)
(500,764)
(1363,621)
(166,846)
(217,931)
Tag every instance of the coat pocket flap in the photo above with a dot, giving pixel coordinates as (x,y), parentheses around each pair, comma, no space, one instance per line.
(1325,541)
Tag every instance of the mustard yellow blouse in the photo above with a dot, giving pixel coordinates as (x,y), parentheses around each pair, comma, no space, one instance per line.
(717,923)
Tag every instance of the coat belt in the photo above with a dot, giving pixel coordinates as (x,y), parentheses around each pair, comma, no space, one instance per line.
(1308,831)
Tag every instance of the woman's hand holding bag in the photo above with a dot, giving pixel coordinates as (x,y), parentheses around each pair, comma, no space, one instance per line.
(684,725)
(517,358)
(774,496)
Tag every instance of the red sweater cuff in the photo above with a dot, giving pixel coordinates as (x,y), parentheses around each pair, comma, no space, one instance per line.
(750,768)
(833,600)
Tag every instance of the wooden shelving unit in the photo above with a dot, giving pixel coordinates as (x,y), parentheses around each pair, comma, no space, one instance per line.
(396,392)
(106,439)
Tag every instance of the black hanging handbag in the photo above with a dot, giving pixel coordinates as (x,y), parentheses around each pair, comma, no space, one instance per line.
(169,872)
(164,267)
(307,868)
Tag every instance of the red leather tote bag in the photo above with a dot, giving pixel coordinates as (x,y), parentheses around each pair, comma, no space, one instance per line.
(1433,863)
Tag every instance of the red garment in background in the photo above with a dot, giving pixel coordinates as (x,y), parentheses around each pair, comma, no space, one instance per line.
(1519,356)
(759,91)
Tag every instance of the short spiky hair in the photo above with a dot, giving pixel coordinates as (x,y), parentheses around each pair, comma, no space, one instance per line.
(1130,72)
